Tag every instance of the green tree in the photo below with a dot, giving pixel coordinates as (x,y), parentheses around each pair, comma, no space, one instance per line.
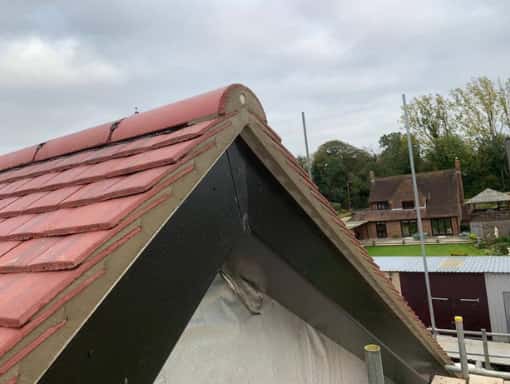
(471,124)
(394,157)
(504,101)
(431,117)
(341,171)
(481,109)
(446,149)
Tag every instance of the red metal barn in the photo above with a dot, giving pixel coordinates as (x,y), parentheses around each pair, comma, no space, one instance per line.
(475,287)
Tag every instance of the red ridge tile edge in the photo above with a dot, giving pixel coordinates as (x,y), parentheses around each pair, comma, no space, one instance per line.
(180,113)
(30,347)
(87,138)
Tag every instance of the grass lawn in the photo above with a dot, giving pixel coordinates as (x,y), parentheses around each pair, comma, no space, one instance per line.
(432,250)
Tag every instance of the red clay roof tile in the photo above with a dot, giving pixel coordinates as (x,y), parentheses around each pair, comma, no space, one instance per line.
(51,200)
(20,204)
(9,225)
(7,201)
(29,170)
(52,253)
(157,141)
(7,189)
(27,250)
(93,217)
(6,246)
(24,294)
(116,187)
(9,337)
(34,184)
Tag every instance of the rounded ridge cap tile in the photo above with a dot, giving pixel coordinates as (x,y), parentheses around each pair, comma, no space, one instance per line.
(77,141)
(221,101)
(207,105)
(20,157)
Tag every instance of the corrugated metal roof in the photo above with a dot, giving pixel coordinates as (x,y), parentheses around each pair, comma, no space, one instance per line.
(456,264)
(354,224)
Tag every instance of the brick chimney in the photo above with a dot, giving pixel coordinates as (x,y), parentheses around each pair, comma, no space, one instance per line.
(371,176)
(457,164)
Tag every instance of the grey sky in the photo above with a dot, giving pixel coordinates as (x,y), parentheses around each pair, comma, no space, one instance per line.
(71,65)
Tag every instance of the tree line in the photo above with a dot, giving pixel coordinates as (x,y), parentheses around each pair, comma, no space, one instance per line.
(470,123)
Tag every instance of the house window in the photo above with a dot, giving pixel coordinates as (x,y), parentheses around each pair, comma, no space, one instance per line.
(409,227)
(408,204)
(441,226)
(380,228)
(382,205)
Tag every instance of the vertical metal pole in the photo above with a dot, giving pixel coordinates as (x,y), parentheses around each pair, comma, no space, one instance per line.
(308,163)
(418,219)
(485,344)
(459,326)
(374,364)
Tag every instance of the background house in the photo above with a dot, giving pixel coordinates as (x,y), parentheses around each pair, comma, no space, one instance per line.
(475,287)
(392,214)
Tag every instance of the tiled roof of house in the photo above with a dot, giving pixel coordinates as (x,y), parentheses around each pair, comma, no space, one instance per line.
(438,188)
(68,205)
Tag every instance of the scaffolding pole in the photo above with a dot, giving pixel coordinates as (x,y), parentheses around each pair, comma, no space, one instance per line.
(308,162)
(374,364)
(418,217)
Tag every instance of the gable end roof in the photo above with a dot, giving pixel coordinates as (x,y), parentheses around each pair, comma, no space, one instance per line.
(76,211)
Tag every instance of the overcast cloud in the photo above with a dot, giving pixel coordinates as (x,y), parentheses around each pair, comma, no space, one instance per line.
(75,64)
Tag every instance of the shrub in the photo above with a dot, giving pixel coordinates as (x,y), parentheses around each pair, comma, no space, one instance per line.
(500,248)
(502,239)
(458,253)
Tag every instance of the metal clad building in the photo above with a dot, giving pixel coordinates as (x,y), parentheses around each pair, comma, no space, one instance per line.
(462,284)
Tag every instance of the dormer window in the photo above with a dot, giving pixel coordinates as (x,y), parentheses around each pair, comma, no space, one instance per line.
(408,204)
(382,205)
